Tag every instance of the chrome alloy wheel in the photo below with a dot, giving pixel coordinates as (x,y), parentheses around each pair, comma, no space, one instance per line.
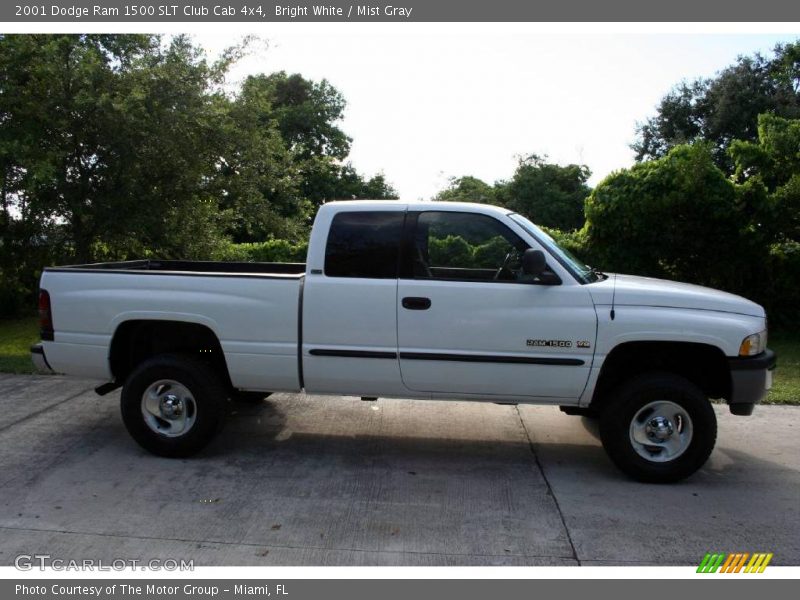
(661,431)
(169,408)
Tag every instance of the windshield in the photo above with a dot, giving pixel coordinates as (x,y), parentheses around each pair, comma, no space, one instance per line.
(580,271)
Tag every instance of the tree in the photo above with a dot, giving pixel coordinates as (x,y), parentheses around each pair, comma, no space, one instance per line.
(119,141)
(259,182)
(306,112)
(56,111)
(110,148)
(724,108)
(680,217)
(162,197)
(774,158)
(675,217)
(119,146)
(376,188)
(300,157)
(768,172)
(468,189)
(325,179)
(549,194)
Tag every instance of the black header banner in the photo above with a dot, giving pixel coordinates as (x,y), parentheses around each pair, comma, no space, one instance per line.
(261,11)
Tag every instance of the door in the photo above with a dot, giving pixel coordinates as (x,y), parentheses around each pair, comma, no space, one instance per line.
(349,324)
(470,322)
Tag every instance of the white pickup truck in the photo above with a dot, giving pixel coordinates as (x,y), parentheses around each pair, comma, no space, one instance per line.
(426,300)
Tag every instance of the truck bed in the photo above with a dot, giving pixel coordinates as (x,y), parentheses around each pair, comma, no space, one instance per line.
(176,267)
(251,308)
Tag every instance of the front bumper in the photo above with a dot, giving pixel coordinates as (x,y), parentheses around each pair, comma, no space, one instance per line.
(751,379)
(39,359)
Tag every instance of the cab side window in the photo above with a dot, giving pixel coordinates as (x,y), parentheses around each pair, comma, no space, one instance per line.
(465,246)
(364,244)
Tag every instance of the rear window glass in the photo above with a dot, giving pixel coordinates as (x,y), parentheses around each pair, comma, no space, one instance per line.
(364,244)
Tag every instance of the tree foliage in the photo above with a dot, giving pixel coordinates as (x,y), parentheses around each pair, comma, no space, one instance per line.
(305,112)
(674,217)
(680,217)
(768,173)
(552,195)
(121,146)
(724,108)
(468,189)
(549,194)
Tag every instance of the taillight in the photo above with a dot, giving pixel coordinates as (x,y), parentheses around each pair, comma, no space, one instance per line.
(45,316)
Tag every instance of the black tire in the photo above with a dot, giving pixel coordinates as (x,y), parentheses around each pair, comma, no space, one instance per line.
(616,423)
(249,397)
(208,404)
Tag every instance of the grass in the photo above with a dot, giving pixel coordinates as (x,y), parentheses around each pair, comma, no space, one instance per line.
(786,377)
(17,335)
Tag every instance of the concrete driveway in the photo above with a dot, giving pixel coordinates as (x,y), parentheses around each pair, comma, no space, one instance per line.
(303,480)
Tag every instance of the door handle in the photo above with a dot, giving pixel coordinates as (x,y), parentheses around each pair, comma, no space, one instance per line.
(415,303)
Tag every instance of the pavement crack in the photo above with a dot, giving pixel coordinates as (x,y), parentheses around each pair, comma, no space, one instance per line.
(43,410)
(552,492)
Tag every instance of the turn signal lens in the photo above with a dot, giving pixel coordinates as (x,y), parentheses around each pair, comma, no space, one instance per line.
(753,344)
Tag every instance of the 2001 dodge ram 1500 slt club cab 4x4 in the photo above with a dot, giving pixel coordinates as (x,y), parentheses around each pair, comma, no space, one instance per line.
(430,300)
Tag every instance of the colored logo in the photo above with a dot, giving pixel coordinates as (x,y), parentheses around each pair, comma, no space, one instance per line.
(736,562)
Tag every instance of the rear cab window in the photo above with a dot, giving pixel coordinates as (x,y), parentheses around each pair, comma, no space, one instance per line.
(364,244)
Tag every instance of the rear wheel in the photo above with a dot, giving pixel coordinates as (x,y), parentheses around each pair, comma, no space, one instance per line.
(658,428)
(173,405)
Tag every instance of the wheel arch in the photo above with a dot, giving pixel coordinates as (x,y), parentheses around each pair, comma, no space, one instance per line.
(137,339)
(705,365)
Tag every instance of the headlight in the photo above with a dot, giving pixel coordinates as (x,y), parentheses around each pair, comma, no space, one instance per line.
(754,344)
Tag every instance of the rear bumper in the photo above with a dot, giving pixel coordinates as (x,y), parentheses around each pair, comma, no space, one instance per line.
(39,359)
(751,379)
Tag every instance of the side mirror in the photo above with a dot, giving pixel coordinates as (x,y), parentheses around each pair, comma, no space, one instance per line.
(533,262)
(534,266)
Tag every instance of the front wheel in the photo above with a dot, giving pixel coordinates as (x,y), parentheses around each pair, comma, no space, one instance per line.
(173,405)
(658,428)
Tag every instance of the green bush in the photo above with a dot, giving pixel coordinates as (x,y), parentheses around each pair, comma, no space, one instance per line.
(269,251)
(675,217)
(14,297)
(781,293)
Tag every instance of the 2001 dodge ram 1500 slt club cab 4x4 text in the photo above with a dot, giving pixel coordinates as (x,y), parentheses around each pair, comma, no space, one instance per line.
(426,300)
